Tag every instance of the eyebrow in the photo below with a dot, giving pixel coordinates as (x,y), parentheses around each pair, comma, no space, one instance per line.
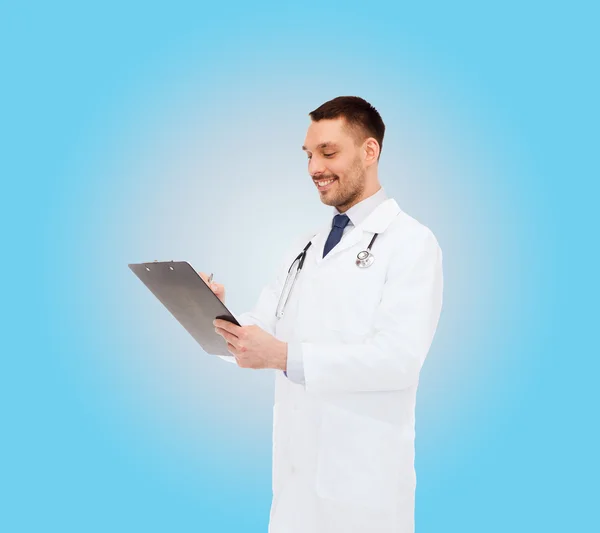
(323,145)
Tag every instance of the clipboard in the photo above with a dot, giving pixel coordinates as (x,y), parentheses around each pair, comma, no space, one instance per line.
(189,299)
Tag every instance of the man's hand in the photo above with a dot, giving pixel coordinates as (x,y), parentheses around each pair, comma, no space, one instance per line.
(252,346)
(217,288)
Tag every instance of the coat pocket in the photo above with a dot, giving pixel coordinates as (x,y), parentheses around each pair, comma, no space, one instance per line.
(360,459)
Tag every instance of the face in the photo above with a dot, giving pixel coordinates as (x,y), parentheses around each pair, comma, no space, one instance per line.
(334,155)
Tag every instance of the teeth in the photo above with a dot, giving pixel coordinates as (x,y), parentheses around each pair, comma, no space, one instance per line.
(323,183)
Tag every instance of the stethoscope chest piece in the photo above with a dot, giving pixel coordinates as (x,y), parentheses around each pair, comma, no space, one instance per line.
(364,259)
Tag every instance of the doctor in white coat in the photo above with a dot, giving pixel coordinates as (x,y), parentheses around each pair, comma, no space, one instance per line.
(350,345)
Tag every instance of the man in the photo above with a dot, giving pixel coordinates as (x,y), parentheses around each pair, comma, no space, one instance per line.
(350,345)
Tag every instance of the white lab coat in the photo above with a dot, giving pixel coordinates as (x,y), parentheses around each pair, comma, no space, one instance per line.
(343,443)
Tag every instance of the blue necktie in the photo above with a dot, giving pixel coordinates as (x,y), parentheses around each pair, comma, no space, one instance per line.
(339,223)
(335,235)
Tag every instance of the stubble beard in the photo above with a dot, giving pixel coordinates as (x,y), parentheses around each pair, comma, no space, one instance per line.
(350,190)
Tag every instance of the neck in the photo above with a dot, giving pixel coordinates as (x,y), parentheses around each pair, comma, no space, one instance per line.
(367,193)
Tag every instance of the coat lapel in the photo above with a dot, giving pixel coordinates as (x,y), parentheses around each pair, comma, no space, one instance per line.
(376,222)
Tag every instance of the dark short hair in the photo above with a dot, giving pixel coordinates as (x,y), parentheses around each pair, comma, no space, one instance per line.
(362,118)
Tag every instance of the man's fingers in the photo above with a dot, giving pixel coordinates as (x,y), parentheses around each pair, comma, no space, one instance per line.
(233,351)
(227,326)
(216,287)
(229,337)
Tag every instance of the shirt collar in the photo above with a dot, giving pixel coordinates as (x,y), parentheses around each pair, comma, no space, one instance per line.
(360,211)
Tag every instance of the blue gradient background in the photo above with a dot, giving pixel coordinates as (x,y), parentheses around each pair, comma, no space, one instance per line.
(133,132)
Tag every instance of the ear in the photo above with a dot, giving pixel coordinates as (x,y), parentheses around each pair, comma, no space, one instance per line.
(371,148)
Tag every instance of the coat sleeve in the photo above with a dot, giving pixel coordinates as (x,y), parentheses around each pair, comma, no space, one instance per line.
(391,356)
(263,312)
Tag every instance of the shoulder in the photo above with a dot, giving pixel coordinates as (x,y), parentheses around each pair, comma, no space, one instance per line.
(297,243)
(303,238)
(409,234)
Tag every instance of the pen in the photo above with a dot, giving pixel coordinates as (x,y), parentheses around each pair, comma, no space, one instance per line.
(210,278)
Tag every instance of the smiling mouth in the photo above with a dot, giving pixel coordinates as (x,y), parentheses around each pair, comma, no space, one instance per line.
(323,185)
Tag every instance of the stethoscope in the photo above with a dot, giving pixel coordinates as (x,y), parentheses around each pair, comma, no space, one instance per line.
(364,259)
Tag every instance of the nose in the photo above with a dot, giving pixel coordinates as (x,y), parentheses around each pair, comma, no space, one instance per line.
(315,167)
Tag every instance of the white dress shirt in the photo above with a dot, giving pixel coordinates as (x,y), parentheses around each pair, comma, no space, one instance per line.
(357,213)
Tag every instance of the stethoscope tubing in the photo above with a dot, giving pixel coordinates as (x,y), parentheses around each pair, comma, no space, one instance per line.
(301,257)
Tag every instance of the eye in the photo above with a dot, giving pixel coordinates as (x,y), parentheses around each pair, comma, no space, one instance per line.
(329,155)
